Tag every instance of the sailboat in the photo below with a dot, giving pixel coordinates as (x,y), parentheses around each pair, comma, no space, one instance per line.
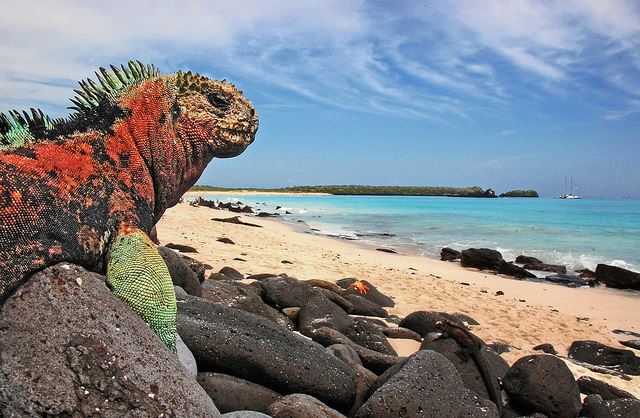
(569,195)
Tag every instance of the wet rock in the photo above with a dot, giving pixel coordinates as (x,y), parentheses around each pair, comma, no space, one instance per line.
(510,269)
(481,258)
(372,294)
(525,259)
(247,346)
(586,273)
(300,405)
(69,347)
(231,393)
(588,385)
(427,386)
(543,383)
(555,268)
(617,277)
(285,292)
(467,367)
(567,280)
(593,352)
(424,322)
(362,306)
(449,254)
(387,250)
(241,296)
(181,274)
(231,273)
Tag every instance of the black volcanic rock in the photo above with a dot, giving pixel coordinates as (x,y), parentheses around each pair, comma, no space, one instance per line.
(510,269)
(467,368)
(372,360)
(402,333)
(247,346)
(617,277)
(526,259)
(299,405)
(69,347)
(554,268)
(231,393)
(449,254)
(543,383)
(481,258)
(319,312)
(241,296)
(567,280)
(287,292)
(424,322)
(181,274)
(593,352)
(595,407)
(427,385)
(362,306)
(372,294)
(231,273)
(588,385)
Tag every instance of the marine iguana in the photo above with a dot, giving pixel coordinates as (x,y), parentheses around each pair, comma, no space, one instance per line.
(88,189)
(471,347)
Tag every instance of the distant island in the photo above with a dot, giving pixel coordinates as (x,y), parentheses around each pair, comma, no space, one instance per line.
(358,190)
(520,193)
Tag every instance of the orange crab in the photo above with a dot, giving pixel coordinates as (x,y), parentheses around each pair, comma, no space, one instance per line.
(359,286)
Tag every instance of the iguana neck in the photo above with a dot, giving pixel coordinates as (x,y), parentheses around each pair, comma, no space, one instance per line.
(173,162)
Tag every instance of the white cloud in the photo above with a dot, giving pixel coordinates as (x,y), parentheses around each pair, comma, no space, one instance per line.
(434,62)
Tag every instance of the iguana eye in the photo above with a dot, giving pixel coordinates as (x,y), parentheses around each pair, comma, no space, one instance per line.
(219,102)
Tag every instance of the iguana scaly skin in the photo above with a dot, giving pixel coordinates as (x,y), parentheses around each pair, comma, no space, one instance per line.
(89,188)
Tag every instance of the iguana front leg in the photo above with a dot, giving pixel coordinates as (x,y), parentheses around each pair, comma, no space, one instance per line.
(137,274)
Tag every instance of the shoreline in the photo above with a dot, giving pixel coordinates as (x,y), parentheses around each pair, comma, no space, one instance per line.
(529,313)
(241,192)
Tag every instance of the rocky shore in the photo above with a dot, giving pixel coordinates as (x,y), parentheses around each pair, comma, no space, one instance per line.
(307,342)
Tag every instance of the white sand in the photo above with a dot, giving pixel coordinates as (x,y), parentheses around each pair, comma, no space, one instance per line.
(528,314)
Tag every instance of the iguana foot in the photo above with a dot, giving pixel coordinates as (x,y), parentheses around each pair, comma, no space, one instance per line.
(137,274)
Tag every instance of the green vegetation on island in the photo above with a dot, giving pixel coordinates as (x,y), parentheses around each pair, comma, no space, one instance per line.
(520,193)
(364,190)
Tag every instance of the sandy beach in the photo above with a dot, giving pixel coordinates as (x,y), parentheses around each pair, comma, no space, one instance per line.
(528,314)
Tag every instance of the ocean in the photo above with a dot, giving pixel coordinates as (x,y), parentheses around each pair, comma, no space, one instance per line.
(575,233)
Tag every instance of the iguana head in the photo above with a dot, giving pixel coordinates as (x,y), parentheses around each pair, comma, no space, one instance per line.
(203,110)
(215,111)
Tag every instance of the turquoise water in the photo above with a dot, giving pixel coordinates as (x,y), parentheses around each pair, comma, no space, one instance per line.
(577,233)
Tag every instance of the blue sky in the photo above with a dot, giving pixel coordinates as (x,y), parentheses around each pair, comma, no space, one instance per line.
(501,94)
